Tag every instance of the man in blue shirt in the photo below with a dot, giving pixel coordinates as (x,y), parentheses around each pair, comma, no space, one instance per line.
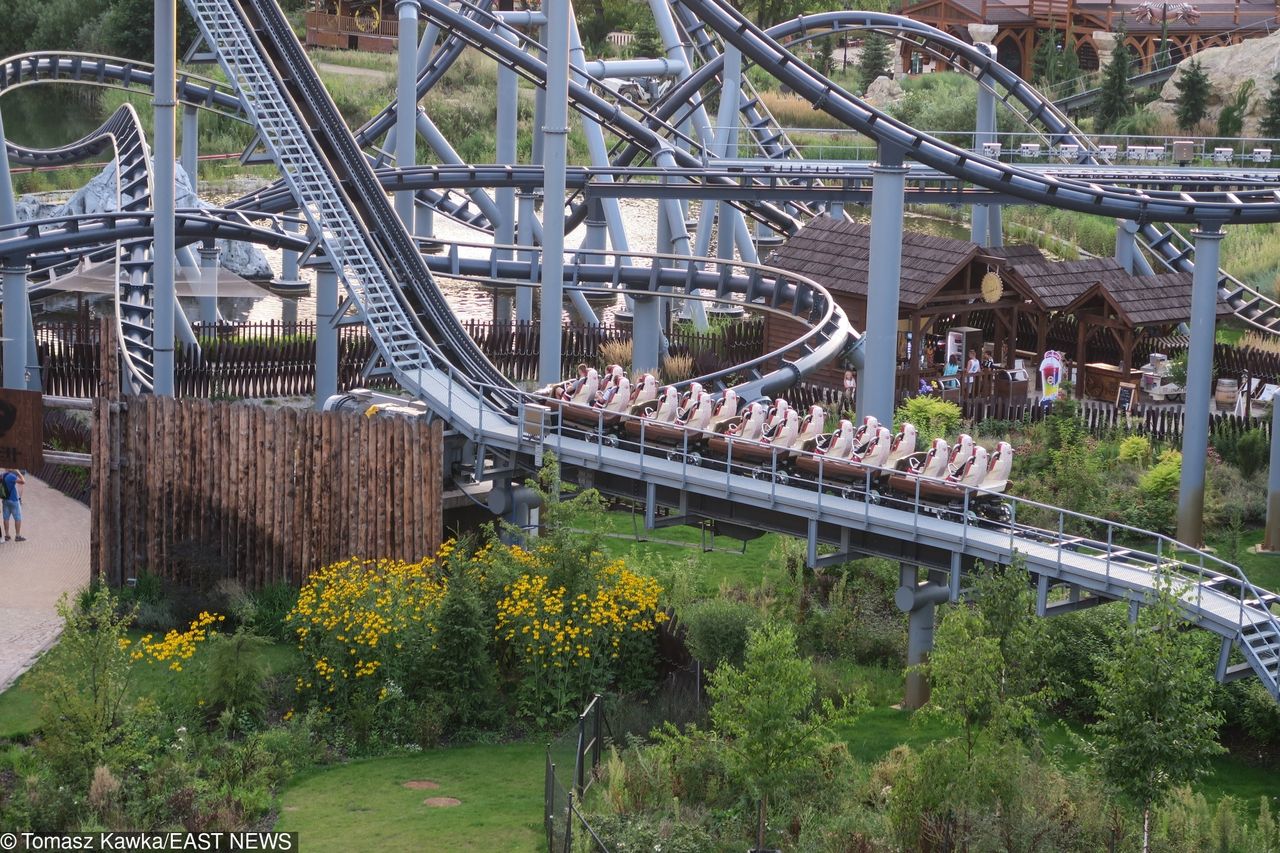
(12,501)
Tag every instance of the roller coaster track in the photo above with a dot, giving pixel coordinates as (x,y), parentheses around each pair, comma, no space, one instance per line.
(132,257)
(360,235)
(1145,80)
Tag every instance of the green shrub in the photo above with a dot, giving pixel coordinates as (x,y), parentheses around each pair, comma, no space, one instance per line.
(271,604)
(933,418)
(1162,480)
(1251,452)
(718,630)
(1135,450)
(234,672)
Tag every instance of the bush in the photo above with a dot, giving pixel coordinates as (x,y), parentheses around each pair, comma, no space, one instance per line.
(1251,452)
(271,604)
(933,418)
(1135,450)
(718,630)
(234,672)
(1161,482)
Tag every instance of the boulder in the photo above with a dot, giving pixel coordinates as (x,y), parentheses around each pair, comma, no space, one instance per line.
(99,196)
(1228,68)
(884,92)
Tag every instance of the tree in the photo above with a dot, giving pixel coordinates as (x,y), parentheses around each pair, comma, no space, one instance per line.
(647,44)
(874,60)
(824,59)
(1231,119)
(1157,725)
(964,673)
(1055,61)
(1116,97)
(765,712)
(1269,126)
(1193,95)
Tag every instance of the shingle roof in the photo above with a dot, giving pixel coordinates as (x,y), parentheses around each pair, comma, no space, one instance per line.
(1017,253)
(1149,300)
(835,254)
(1057,285)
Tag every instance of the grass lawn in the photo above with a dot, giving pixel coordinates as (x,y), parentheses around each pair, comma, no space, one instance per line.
(1262,570)
(365,805)
(728,564)
(20,707)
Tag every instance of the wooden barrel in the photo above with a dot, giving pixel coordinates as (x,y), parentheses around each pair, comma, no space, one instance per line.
(1228,390)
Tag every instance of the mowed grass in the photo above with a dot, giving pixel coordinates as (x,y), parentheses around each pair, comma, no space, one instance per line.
(364,805)
(732,562)
(20,705)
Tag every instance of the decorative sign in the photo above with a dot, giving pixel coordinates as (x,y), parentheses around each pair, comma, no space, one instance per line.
(992,287)
(1051,375)
(21,429)
(1124,396)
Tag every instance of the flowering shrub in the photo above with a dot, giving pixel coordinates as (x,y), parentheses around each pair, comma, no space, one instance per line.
(565,640)
(177,646)
(359,621)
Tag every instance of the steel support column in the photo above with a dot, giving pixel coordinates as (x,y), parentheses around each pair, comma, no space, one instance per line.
(326,335)
(524,295)
(921,601)
(1271,541)
(876,382)
(1195,430)
(288,257)
(164,98)
(554,152)
(17,322)
(191,146)
(208,300)
(982,223)
(1126,244)
(406,103)
(504,229)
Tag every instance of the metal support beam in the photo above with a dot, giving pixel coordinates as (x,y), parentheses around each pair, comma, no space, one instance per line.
(646,334)
(191,146)
(505,197)
(876,383)
(524,295)
(555,134)
(406,103)
(1271,541)
(289,258)
(1126,243)
(920,600)
(17,322)
(326,335)
(163,141)
(208,299)
(1195,430)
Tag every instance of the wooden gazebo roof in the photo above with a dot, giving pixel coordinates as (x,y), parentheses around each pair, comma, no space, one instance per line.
(1152,300)
(1058,285)
(835,253)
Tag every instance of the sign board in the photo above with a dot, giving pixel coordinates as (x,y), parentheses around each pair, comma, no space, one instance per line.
(1051,375)
(21,429)
(1268,393)
(1124,396)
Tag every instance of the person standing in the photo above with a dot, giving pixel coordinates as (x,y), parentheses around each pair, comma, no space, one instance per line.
(12,499)
(972,369)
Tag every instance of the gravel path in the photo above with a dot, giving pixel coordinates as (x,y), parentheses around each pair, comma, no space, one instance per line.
(35,574)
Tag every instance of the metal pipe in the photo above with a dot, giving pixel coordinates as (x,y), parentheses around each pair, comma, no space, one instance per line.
(164,97)
(876,383)
(605,68)
(504,226)
(326,335)
(191,146)
(17,320)
(208,298)
(1126,243)
(1271,541)
(406,102)
(1195,430)
(555,151)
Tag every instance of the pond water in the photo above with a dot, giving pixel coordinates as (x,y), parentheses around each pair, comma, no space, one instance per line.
(49,116)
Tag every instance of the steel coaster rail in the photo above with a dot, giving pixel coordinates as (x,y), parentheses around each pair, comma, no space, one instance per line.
(1219,597)
(382,279)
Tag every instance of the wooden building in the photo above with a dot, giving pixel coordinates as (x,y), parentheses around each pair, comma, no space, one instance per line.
(368,25)
(1024,23)
(941,286)
(1100,316)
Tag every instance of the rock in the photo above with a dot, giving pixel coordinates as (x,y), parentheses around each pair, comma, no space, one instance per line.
(884,92)
(99,196)
(1228,68)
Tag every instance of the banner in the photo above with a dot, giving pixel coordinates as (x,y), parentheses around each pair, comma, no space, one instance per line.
(1051,375)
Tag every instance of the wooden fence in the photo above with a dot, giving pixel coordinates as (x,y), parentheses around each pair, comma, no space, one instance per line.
(243,361)
(514,347)
(197,490)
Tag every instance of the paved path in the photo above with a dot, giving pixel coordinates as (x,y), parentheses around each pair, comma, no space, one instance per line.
(352,71)
(34,575)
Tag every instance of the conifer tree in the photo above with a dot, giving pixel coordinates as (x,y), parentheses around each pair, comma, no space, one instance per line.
(1269,126)
(1116,98)
(874,61)
(1193,96)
